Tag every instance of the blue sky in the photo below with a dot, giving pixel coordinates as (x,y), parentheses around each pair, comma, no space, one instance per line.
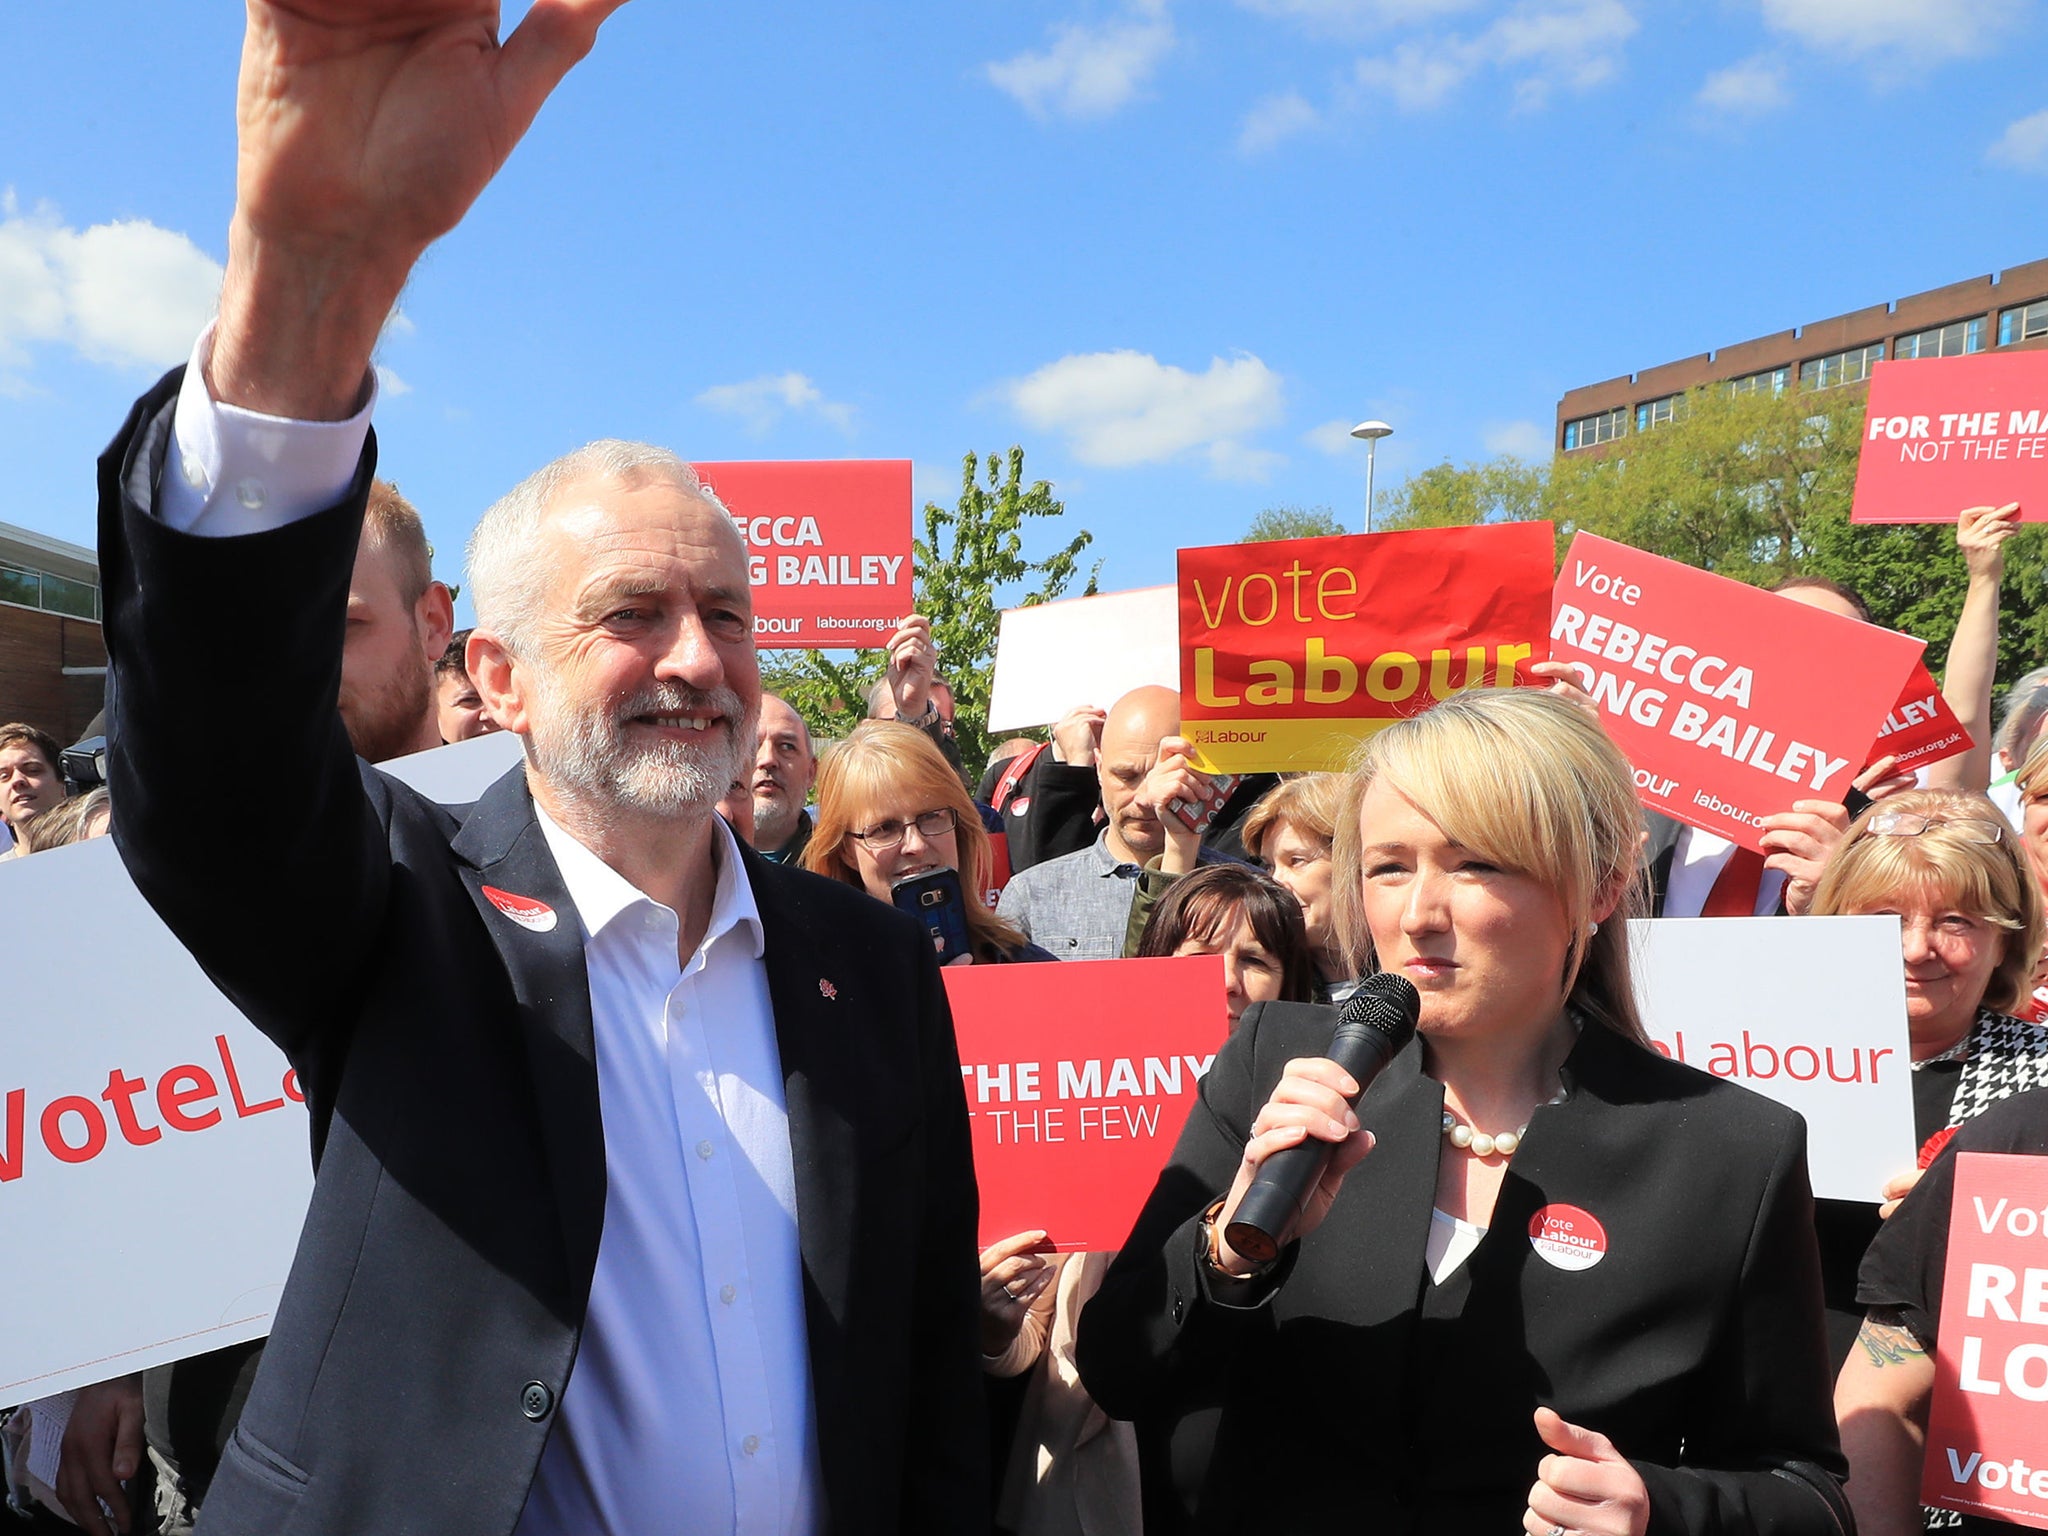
(1167,245)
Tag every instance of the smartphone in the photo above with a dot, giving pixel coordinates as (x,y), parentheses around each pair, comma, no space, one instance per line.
(935,901)
(1196,815)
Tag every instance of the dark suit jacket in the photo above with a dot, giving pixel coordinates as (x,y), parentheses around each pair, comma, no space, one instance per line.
(432,1315)
(1347,1392)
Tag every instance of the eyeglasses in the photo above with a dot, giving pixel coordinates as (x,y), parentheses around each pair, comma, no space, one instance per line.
(1908,824)
(885,835)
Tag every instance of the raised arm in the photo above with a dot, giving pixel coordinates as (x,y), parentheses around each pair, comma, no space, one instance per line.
(366,129)
(1981,533)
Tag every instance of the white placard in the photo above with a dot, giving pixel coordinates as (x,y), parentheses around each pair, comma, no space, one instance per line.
(1053,657)
(1810,1011)
(154,1163)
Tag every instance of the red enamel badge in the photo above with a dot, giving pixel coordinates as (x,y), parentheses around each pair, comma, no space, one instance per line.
(523,910)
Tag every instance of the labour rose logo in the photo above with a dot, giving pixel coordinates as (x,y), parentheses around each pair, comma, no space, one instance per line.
(827,991)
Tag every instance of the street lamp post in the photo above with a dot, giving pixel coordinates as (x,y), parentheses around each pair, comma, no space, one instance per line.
(1372,432)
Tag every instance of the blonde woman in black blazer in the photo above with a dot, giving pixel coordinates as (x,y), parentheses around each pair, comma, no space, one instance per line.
(1573,1288)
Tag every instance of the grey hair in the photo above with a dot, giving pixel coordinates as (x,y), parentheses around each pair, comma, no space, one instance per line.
(507,579)
(2025,703)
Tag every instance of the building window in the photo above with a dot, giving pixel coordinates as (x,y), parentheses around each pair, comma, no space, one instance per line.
(2023,324)
(1589,431)
(1773,379)
(54,594)
(1959,338)
(1659,413)
(1850,367)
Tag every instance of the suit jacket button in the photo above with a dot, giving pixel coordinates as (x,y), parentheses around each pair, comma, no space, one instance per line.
(536,1400)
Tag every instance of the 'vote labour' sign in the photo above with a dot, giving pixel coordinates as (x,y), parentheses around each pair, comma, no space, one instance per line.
(1943,434)
(1987,1428)
(1292,651)
(1730,702)
(1078,1078)
(828,547)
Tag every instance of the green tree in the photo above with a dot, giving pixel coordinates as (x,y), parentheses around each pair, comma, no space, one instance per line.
(1293,523)
(970,565)
(1501,490)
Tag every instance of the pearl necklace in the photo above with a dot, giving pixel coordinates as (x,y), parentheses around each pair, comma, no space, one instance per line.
(1479,1143)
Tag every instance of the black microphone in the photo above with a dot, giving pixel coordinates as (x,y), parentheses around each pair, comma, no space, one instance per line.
(1378,1019)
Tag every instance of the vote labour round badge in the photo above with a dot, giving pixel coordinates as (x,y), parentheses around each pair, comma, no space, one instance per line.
(1567,1237)
(523,910)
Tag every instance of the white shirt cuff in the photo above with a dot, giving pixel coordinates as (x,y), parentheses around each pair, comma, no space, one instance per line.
(235,471)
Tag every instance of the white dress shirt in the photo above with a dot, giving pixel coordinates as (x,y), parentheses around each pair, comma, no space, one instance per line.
(1697,860)
(689,1406)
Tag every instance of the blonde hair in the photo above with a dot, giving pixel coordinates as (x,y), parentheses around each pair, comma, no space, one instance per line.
(2032,779)
(1990,881)
(1531,783)
(887,758)
(1310,804)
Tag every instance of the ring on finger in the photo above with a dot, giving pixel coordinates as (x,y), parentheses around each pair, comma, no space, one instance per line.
(1555,1530)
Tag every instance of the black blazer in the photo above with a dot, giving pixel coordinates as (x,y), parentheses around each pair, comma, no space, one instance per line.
(433,1311)
(1348,1393)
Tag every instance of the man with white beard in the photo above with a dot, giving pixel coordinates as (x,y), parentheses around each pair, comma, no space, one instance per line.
(644,1197)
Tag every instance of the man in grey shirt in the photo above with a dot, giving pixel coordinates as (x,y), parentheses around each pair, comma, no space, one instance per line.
(1078,906)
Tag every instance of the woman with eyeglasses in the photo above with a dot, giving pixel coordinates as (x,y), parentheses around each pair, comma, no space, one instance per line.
(890,808)
(1947,865)
(1970,918)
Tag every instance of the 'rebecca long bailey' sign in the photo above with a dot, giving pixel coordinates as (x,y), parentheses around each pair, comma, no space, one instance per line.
(1731,703)
(828,547)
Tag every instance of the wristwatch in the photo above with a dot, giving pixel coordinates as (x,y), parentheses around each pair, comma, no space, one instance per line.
(1213,1252)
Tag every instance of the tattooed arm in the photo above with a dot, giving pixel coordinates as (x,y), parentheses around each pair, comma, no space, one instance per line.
(1881,1405)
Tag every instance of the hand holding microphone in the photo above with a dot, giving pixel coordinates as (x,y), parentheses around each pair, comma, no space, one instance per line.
(1307,1137)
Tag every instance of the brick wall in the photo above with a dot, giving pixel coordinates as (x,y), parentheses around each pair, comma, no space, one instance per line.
(34,650)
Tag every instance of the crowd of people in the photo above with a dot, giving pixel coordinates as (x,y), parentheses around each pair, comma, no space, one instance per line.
(644,1195)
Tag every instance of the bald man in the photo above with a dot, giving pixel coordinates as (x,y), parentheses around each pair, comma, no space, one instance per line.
(1078,905)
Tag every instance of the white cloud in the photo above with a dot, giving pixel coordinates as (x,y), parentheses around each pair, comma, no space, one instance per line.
(389,385)
(1523,439)
(1123,408)
(1089,70)
(1234,461)
(2024,145)
(1541,45)
(1274,120)
(762,402)
(1334,437)
(1924,28)
(1752,88)
(125,293)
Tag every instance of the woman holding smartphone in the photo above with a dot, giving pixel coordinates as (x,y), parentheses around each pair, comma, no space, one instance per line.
(1548,1280)
(890,809)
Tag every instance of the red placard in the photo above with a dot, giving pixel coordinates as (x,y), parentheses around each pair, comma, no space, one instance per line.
(1078,1077)
(1946,433)
(1730,702)
(828,547)
(1987,1428)
(1292,651)
(1921,728)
